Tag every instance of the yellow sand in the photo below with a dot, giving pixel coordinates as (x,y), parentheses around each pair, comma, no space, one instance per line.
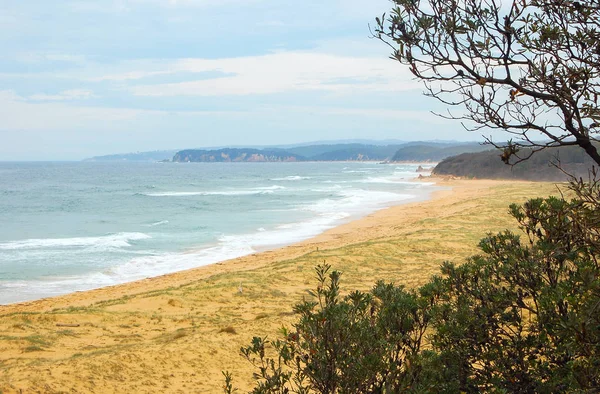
(176,333)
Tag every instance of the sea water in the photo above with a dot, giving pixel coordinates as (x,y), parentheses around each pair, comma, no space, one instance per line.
(67,227)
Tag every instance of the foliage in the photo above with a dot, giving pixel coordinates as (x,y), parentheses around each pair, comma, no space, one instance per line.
(228,387)
(529,67)
(524,316)
(521,317)
(363,342)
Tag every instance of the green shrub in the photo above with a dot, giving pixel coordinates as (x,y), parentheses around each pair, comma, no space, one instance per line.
(522,317)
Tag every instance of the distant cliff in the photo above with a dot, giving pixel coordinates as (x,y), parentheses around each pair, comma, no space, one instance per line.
(337,152)
(487,165)
(159,155)
(236,155)
(424,151)
(411,151)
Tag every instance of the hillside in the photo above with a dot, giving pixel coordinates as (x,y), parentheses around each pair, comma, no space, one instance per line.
(433,151)
(236,155)
(538,168)
(337,152)
(412,151)
(158,155)
(357,152)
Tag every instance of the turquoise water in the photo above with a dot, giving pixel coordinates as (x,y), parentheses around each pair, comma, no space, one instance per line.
(76,226)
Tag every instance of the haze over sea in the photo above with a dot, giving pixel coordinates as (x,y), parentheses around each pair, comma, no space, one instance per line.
(76,226)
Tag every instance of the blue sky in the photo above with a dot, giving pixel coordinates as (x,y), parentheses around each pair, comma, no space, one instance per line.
(87,77)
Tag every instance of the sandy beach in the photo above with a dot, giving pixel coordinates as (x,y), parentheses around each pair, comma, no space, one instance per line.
(176,333)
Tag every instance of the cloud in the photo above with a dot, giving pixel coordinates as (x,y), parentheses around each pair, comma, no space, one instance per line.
(274,73)
(17,113)
(110,6)
(375,113)
(66,95)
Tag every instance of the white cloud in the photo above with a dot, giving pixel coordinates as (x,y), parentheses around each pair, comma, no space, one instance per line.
(375,113)
(65,95)
(275,73)
(111,6)
(197,3)
(19,114)
(43,57)
(271,23)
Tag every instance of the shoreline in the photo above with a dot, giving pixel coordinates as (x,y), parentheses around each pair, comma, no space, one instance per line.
(325,240)
(175,333)
(202,256)
(122,288)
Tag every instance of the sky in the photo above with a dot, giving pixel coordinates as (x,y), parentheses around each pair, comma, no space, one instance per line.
(81,78)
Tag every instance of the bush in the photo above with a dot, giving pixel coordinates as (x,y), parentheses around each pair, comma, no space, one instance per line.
(522,317)
(364,342)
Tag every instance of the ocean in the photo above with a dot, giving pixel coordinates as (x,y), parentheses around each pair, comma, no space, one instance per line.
(77,226)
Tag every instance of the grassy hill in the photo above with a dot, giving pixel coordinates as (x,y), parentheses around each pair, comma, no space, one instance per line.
(538,167)
(434,152)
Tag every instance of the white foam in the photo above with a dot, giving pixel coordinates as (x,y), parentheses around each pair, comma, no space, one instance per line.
(243,192)
(150,266)
(325,214)
(292,178)
(26,290)
(334,188)
(216,193)
(395,179)
(274,187)
(135,269)
(118,240)
(357,201)
(162,222)
(341,200)
(362,170)
(284,234)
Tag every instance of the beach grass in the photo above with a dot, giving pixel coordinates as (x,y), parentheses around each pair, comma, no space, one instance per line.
(178,332)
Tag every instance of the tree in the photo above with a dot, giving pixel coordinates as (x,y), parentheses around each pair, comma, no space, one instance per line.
(529,67)
(524,317)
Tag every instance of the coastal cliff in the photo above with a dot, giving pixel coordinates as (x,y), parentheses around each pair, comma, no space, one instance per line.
(235,155)
(426,151)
